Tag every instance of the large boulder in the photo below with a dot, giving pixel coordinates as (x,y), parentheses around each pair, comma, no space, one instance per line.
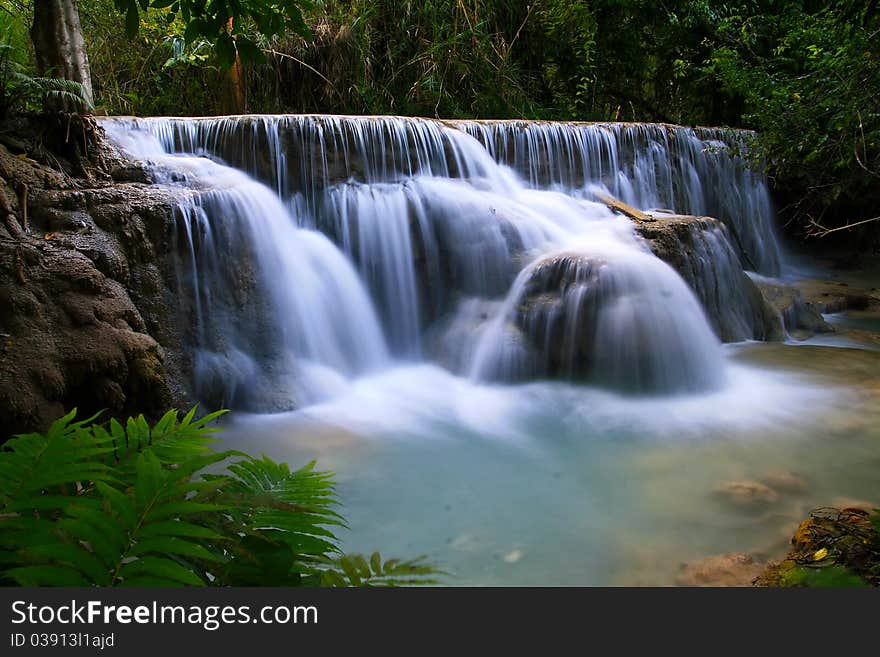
(620,319)
(700,250)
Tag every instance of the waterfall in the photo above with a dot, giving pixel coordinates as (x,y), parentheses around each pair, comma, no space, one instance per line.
(317,249)
(274,307)
(697,171)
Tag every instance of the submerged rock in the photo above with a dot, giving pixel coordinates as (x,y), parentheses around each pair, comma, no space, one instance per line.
(749,495)
(734,569)
(785,481)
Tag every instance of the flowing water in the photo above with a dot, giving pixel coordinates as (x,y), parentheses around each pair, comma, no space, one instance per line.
(502,374)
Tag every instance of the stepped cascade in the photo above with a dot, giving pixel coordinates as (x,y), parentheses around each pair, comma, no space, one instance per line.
(312,250)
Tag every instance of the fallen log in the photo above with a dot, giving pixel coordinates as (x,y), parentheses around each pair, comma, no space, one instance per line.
(617,205)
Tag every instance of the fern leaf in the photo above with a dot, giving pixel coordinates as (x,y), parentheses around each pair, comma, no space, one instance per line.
(161,568)
(46,576)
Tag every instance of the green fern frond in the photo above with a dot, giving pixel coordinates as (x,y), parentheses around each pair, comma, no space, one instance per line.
(295,507)
(355,570)
(64,460)
(132,505)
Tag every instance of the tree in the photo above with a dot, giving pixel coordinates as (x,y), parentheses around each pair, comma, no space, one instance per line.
(60,49)
(58,42)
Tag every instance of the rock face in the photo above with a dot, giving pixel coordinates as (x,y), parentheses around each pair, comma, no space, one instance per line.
(84,314)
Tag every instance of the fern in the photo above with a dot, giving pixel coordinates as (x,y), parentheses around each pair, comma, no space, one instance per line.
(19,90)
(355,570)
(131,505)
(60,91)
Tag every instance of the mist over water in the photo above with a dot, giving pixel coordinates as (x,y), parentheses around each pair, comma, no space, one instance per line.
(489,358)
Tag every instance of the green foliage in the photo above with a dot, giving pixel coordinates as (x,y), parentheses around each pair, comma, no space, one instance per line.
(220,22)
(21,91)
(826,577)
(808,76)
(134,505)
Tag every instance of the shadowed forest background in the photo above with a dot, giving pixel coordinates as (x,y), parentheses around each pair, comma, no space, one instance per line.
(803,74)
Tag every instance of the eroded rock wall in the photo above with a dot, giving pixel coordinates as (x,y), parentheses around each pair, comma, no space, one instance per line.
(85,318)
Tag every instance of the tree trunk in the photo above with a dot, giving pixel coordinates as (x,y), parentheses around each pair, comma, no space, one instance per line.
(58,42)
(236,101)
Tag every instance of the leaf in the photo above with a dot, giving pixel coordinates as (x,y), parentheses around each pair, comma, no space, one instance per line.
(224,48)
(160,567)
(132,21)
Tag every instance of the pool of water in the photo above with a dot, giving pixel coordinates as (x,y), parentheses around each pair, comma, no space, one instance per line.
(558,484)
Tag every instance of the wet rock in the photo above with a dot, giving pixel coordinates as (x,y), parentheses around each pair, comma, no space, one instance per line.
(785,481)
(802,318)
(832,536)
(617,322)
(751,495)
(72,292)
(734,569)
(701,251)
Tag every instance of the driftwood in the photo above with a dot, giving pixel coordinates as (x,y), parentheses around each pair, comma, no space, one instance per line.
(621,207)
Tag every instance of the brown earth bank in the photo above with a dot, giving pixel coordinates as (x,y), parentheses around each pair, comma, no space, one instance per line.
(83,305)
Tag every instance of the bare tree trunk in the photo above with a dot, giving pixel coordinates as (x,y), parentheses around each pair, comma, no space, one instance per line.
(58,42)
(236,102)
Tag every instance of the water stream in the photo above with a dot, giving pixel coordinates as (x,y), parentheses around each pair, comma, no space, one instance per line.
(502,374)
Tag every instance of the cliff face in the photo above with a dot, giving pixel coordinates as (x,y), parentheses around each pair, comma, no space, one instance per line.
(84,306)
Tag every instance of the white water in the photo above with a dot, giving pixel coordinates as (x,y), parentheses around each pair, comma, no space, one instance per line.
(435,228)
(377,280)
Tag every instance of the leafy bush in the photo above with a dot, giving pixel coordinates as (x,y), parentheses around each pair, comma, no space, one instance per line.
(808,80)
(134,505)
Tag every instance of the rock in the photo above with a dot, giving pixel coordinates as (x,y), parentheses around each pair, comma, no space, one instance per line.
(746,494)
(848,503)
(701,251)
(801,318)
(785,481)
(734,569)
(615,320)
(843,537)
(76,340)
(83,301)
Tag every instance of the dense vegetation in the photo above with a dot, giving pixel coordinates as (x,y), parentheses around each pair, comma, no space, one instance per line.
(804,74)
(110,505)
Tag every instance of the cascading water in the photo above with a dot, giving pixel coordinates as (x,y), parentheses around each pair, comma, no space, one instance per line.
(308,319)
(475,245)
(499,370)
